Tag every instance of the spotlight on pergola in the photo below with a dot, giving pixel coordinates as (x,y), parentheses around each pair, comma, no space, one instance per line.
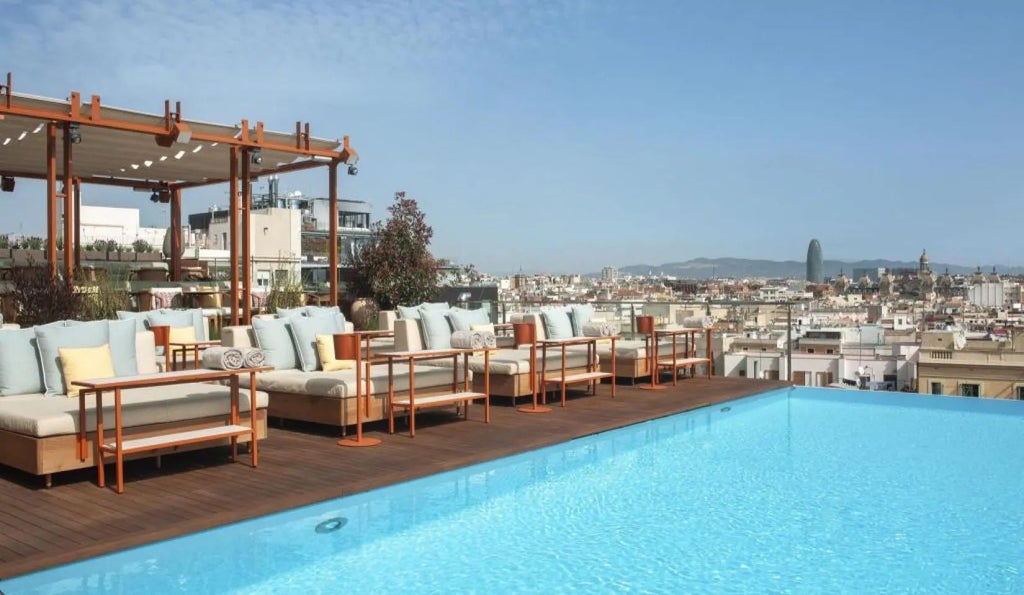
(75,133)
(256,157)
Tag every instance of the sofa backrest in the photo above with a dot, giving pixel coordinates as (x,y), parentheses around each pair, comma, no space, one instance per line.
(237,336)
(386,320)
(533,318)
(408,336)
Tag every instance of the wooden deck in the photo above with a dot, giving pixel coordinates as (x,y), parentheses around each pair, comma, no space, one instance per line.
(299,464)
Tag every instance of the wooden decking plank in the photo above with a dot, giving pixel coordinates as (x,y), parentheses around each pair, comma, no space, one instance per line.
(301,464)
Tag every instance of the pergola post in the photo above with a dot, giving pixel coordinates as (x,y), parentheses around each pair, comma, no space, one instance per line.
(76,185)
(69,262)
(175,232)
(246,240)
(51,199)
(233,222)
(332,238)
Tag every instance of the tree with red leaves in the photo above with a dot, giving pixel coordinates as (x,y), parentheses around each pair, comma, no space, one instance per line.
(396,267)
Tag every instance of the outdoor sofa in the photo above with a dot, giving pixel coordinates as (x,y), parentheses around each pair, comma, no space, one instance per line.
(510,367)
(39,422)
(300,389)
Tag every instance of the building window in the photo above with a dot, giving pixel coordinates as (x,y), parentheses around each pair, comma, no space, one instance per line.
(830,352)
(936,388)
(1019,393)
(810,350)
(970,390)
(743,373)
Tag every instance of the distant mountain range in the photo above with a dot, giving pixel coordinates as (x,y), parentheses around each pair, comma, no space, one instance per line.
(703,268)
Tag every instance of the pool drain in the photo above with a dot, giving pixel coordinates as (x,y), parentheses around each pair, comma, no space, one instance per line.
(725,409)
(331,525)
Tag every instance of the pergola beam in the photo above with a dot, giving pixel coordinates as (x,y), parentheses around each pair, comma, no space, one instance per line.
(51,199)
(332,240)
(233,222)
(69,247)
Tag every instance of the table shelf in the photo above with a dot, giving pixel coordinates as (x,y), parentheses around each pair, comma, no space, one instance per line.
(443,399)
(177,439)
(577,378)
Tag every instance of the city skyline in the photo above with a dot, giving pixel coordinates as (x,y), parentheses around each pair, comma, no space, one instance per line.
(604,134)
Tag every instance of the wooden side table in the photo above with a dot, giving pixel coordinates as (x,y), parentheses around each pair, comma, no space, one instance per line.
(526,334)
(348,346)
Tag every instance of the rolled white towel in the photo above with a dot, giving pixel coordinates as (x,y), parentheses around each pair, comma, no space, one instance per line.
(222,358)
(698,322)
(598,329)
(478,339)
(462,339)
(253,357)
(490,339)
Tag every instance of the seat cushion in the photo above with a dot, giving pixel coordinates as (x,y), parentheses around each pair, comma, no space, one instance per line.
(510,362)
(40,416)
(342,384)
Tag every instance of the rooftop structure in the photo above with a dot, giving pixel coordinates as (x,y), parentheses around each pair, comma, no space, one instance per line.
(815,267)
(76,142)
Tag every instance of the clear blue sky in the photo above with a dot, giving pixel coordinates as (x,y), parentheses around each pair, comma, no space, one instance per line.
(567,136)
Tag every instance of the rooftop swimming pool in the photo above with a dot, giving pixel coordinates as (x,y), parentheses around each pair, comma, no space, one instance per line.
(802,490)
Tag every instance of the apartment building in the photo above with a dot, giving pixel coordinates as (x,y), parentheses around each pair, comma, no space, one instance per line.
(952,364)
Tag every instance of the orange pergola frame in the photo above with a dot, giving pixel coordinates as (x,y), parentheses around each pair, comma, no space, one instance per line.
(119,142)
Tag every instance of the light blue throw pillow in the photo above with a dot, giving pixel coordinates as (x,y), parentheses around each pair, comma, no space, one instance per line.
(122,347)
(462,320)
(434,306)
(138,317)
(437,332)
(581,315)
(50,338)
(20,372)
(274,338)
(304,330)
(557,324)
(179,318)
(290,312)
(409,312)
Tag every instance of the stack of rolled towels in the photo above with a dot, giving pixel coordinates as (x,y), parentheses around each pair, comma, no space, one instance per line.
(598,329)
(232,358)
(473,339)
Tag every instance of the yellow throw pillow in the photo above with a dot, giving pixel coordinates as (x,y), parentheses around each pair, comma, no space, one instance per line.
(85,363)
(482,327)
(340,364)
(182,334)
(325,351)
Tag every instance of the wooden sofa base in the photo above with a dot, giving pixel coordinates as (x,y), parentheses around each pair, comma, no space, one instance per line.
(53,454)
(627,367)
(514,386)
(333,411)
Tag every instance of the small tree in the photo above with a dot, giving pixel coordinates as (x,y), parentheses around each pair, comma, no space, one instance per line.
(396,267)
(39,300)
(32,243)
(141,246)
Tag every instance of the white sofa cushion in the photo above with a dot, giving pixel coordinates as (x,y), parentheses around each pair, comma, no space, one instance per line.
(510,362)
(39,416)
(342,384)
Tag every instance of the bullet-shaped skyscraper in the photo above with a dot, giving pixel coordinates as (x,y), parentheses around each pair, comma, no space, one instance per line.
(815,268)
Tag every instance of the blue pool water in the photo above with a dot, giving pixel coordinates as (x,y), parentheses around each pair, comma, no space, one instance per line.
(798,490)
